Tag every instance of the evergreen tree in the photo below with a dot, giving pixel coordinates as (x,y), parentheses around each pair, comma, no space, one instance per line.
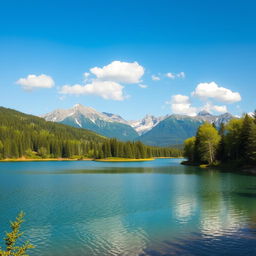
(12,249)
(1,150)
(251,147)
(244,137)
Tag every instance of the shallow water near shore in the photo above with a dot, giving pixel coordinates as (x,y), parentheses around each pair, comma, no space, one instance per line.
(131,208)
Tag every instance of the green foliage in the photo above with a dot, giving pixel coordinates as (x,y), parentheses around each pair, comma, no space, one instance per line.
(28,136)
(251,147)
(12,249)
(236,141)
(209,140)
(189,148)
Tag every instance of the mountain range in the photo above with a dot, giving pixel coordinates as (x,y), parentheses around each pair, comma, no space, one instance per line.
(157,131)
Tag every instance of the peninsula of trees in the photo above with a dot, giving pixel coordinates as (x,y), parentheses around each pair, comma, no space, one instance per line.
(31,137)
(233,143)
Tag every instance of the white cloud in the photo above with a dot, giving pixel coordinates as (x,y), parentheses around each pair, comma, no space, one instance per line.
(120,72)
(86,74)
(170,75)
(174,76)
(33,81)
(181,75)
(108,90)
(155,78)
(212,90)
(210,107)
(179,98)
(180,104)
(142,86)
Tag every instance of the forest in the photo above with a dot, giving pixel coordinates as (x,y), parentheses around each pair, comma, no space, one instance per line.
(234,142)
(27,136)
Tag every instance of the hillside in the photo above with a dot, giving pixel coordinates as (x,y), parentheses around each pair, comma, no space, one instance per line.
(171,131)
(23,135)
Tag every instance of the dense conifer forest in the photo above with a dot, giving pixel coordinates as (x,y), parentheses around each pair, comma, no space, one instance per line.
(234,142)
(28,136)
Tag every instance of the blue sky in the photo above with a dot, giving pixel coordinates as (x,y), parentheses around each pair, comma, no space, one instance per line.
(203,54)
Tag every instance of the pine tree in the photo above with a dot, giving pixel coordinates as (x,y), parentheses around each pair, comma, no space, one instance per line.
(244,137)
(1,150)
(11,239)
(251,147)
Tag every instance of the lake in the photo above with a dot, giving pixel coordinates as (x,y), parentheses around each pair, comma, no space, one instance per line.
(134,208)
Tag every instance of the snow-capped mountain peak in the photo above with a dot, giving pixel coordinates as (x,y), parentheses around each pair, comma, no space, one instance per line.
(145,124)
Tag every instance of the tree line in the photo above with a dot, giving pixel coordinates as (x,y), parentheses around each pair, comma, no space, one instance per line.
(232,142)
(28,136)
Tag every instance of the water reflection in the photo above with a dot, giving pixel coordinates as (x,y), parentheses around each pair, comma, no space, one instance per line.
(162,209)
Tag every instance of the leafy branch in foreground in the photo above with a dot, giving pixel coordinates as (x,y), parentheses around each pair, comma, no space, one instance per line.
(11,239)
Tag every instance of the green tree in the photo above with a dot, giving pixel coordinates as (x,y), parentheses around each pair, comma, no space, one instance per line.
(208,143)
(244,137)
(251,148)
(1,150)
(42,151)
(221,147)
(11,239)
(232,139)
(189,149)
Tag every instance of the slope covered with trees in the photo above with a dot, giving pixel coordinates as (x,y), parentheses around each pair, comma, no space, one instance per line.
(171,131)
(23,135)
(234,142)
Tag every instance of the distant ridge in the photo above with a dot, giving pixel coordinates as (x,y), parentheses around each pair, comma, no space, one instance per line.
(158,131)
(106,124)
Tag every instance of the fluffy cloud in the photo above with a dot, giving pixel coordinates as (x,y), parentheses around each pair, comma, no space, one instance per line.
(120,72)
(155,78)
(173,76)
(108,90)
(33,81)
(210,107)
(180,104)
(212,90)
(107,82)
(143,86)
(170,75)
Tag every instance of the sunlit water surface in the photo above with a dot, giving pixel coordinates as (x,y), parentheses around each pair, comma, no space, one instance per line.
(140,208)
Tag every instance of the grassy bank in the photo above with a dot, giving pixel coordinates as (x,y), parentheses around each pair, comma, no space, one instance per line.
(43,159)
(120,159)
(169,157)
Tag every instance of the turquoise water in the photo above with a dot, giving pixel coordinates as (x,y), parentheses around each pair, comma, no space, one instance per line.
(139,208)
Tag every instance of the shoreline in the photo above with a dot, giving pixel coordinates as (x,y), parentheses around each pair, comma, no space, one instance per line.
(43,159)
(124,160)
(83,159)
(226,167)
(168,157)
(8,160)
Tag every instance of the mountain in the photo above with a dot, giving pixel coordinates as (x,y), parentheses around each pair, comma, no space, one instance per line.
(156,131)
(106,124)
(175,129)
(171,131)
(146,124)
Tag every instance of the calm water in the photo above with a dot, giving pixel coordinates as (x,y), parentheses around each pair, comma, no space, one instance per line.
(152,208)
